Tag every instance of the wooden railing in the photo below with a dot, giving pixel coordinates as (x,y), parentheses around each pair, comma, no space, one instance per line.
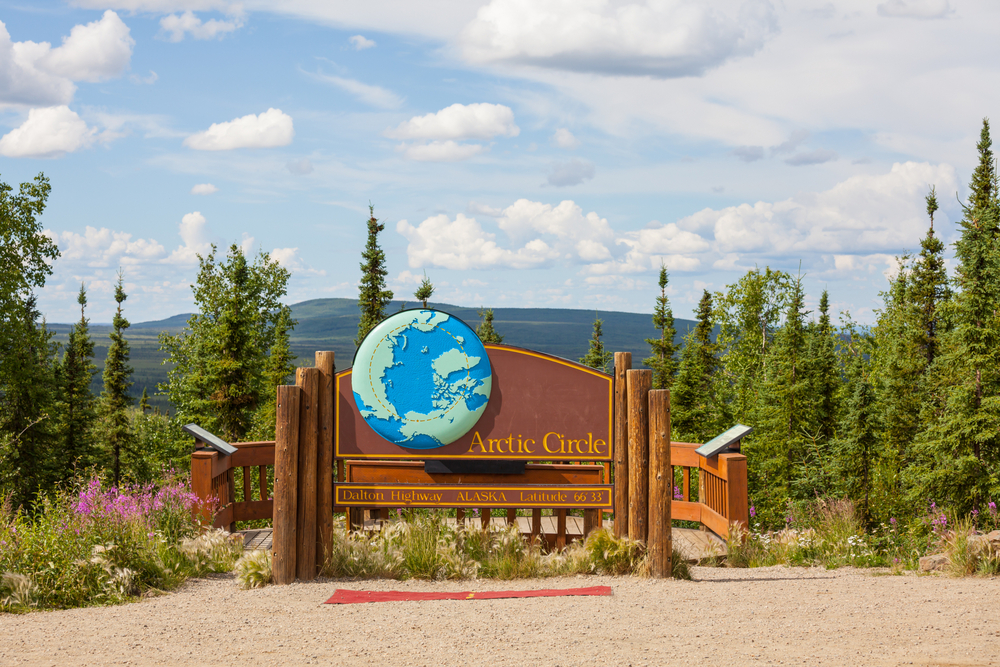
(213,480)
(722,488)
(721,497)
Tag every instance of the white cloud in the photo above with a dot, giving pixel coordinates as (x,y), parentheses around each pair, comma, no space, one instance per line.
(290,259)
(440,151)
(661,38)
(916,9)
(563,138)
(375,96)
(300,167)
(360,42)
(749,153)
(193,231)
(537,235)
(267,130)
(177,26)
(574,172)
(48,132)
(862,215)
(204,189)
(866,265)
(459,121)
(99,248)
(36,74)
(647,248)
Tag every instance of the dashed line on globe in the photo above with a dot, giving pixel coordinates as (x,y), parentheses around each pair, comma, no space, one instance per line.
(388,408)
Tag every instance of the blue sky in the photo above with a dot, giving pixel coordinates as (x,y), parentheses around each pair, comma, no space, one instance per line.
(547,153)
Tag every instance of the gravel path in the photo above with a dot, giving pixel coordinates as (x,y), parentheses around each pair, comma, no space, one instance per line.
(771,615)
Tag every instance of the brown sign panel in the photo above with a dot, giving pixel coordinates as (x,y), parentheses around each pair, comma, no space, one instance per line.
(475,495)
(541,408)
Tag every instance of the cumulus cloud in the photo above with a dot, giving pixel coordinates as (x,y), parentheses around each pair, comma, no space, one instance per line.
(177,26)
(537,235)
(49,132)
(375,96)
(440,151)
(204,189)
(574,172)
(563,138)
(36,74)
(290,259)
(662,38)
(360,42)
(864,214)
(749,153)
(794,140)
(916,9)
(195,239)
(459,121)
(818,156)
(648,248)
(101,248)
(267,130)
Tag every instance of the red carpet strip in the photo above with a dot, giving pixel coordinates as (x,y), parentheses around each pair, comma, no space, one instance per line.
(345,596)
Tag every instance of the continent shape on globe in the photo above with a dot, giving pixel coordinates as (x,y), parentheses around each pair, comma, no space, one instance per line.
(421,379)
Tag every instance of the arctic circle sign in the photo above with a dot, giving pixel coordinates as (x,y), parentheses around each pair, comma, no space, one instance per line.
(421,379)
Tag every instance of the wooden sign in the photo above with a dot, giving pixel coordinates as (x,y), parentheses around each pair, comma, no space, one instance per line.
(598,496)
(541,408)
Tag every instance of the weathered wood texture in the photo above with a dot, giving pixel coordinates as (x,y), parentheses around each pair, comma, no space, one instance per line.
(638,384)
(286,466)
(324,459)
(623,363)
(307,379)
(661,483)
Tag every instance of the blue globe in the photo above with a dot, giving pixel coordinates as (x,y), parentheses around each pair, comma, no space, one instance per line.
(421,379)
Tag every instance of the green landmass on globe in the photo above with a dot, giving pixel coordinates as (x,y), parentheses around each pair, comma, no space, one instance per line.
(421,379)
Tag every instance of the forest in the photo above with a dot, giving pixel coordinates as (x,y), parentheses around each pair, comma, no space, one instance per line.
(898,417)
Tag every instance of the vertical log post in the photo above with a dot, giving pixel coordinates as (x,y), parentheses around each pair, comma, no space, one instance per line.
(324,460)
(661,483)
(286,466)
(638,383)
(307,379)
(623,362)
(560,529)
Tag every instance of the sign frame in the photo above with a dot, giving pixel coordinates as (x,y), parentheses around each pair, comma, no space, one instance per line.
(492,496)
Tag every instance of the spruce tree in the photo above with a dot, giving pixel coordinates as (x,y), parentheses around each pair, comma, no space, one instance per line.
(115,399)
(144,405)
(78,404)
(663,360)
(824,378)
(485,330)
(425,291)
(696,413)
(373,296)
(929,285)
(597,357)
(856,446)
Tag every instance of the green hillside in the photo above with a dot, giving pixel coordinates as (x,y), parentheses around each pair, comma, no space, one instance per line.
(331,324)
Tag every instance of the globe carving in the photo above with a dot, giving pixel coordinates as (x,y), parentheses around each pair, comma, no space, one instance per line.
(421,379)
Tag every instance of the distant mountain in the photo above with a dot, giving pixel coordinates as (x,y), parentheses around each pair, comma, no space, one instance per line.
(331,324)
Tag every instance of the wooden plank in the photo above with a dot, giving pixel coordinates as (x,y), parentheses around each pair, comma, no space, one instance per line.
(253,510)
(682,510)
(262,481)
(485,514)
(683,454)
(324,459)
(231,497)
(460,516)
(591,519)
(412,472)
(623,362)
(201,482)
(686,484)
(257,453)
(286,464)
(536,523)
(307,379)
(736,473)
(560,529)
(714,521)
(661,483)
(511,516)
(638,384)
(224,518)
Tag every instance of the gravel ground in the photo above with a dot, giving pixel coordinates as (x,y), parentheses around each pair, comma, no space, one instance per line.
(773,615)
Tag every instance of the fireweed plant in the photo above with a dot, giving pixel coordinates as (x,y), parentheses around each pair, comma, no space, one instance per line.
(97,545)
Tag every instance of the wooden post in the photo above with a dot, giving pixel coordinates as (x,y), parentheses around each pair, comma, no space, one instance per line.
(560,529)
(661,483)
(485,516)
(536,523)
(305,548)
(286,466)
(511,516)
(623,362)
(638,383)
(324,459)
(201,483)
(591,521)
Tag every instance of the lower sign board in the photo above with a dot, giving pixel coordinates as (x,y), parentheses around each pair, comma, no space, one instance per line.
(596,496)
